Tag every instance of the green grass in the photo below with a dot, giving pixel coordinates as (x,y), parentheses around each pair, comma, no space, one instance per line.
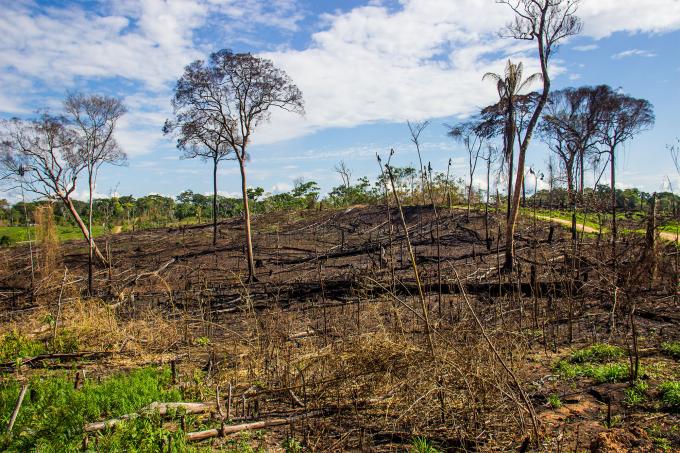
(671,348)
(17,234)
(589,220)
(635,394)
(597,362)
(670,394)
(599,352)
(14,346)
(555,401)
(53,416)
(422,445)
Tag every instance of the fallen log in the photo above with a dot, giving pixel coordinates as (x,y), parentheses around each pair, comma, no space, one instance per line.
(160,408)
(38,361)
(226,429)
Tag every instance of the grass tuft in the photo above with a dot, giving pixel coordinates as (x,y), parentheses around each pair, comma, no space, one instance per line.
(599,352)
(671,348)
(670,394)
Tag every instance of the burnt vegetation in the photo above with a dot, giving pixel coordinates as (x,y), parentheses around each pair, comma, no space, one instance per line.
(416,313)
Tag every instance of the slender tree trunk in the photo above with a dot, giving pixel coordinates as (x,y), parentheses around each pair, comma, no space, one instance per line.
(90,240)
(246,212)
(612,169)
(83,228)
(214,202)
(572,196)
(511,166)
(486,207)
(512,195)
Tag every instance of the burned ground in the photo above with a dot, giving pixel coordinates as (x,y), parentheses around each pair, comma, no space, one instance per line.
(333,326)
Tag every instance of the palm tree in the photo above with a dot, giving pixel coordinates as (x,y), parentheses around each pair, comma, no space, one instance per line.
(509,87)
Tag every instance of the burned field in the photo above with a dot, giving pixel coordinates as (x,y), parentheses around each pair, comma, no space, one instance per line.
(338,346)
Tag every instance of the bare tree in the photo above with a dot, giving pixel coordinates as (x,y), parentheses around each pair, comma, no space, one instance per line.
(345,173)
(547,22)
(199,135)
(623,118)
(675,154)
(236,92)
(473,135)
(42,154)
(415,129)
(94,120)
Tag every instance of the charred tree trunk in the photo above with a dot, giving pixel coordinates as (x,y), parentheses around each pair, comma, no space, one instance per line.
(246,214)
(214,201)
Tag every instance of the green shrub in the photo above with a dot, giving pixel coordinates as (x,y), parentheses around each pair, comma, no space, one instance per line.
(422,445)
(672,348)
(599,352)
(670,394)
(15,346)
(608,372)
(554,401)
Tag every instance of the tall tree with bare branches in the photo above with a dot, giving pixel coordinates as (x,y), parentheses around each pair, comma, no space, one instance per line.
(94,120)
(198,134)
(547,22)
(623,118)
(415,129)
(42,155)
(472,134)
(237,92)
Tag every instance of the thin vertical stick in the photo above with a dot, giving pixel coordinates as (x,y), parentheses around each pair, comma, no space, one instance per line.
(423,304)
(61,293)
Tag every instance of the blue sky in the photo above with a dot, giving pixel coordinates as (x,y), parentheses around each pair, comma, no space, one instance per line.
(364,67)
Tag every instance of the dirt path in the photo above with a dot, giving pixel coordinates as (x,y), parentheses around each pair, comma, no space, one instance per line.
(580,226)
(672,237)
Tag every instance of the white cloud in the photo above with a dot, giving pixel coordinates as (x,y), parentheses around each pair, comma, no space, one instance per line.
(634,53)
(420,59)
(585,48)
(601,18)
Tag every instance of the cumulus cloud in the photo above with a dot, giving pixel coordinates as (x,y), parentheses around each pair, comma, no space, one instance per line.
(414,60)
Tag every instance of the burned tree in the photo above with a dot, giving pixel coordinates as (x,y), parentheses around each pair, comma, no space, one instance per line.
(94,120)
(199,135)
(569,127)
(236,92)
(623,117)
(472,134)
(43,155)
(547,22)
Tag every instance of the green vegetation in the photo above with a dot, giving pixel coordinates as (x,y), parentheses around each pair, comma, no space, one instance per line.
(555,401)
(14,346)
(597,362)
(672,348)
(635,394)
(15,234)
(53,416)
(599,352)
(670,394)
(422,445)
(292,445)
